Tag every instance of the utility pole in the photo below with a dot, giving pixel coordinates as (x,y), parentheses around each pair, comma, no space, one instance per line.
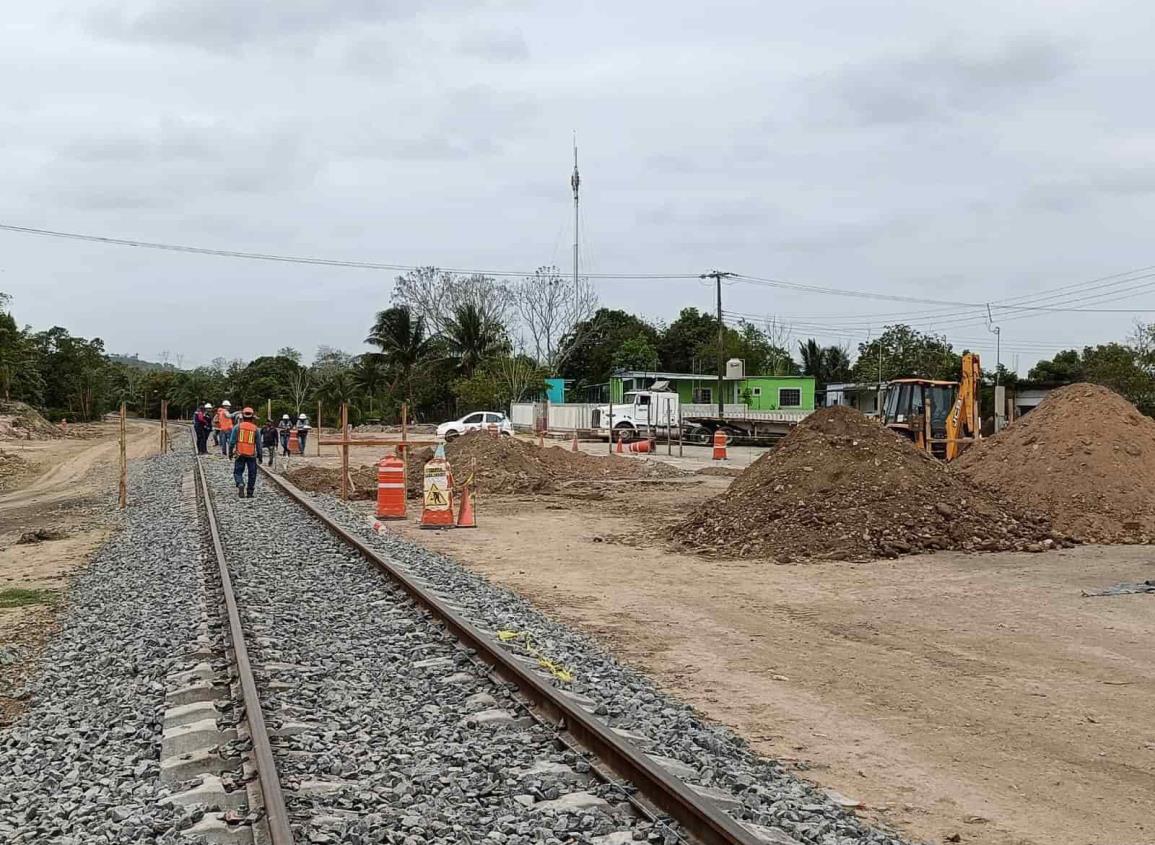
(717,276)
(575,183)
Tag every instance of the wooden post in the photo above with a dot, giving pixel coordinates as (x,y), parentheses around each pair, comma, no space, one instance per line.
(611,421)
(268,410)
(318,428)
(344,451)
(123,460)
(404,446)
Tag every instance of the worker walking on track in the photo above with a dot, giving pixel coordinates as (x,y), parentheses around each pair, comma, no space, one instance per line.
(283,427)
(302,430)
(269,437)
(224,423)
(245,449)
(202,427)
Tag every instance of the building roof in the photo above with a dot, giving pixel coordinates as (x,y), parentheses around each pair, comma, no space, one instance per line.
(694,376)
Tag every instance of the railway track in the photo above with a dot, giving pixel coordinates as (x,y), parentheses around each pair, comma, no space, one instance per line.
(551,763)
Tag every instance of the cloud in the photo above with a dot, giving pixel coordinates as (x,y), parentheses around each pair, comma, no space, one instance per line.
(508,46)
(227,26)
(939,85)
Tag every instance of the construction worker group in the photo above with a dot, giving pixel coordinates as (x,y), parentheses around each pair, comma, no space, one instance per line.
(238,437)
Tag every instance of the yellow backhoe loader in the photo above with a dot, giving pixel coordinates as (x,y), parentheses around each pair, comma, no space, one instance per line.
(941,417)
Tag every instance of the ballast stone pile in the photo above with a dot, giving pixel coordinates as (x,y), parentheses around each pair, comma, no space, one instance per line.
(1085,456)
(768,795)
(841,487)
(81,764)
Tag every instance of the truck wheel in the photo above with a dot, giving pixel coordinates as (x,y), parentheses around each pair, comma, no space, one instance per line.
(624,433)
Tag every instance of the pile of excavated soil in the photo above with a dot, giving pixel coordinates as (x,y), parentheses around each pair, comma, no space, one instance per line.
(840,486)
(23,422)
(314,479)
(509,465)
(1085,456)
(499,465)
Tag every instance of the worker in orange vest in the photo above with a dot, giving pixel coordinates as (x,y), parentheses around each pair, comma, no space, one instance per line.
(245,448)
(224,423)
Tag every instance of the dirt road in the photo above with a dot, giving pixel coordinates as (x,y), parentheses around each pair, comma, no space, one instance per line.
(972,695)
(66,494)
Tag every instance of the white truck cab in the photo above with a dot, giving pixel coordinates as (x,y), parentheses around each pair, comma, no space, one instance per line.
(643,412)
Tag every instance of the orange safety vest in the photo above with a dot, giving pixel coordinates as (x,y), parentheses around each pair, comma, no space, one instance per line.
(247,439)
(224,420)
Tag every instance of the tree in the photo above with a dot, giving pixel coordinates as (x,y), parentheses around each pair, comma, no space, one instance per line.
(370,377)
(404,346)
(825,363)
(290,353)
(1065,368)
(499,382)
(550,306)
(690,343)
(436,295)
(587,352)
(636,353)
(906,352)
(472,336)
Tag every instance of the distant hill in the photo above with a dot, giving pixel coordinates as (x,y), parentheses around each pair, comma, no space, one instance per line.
(137,363)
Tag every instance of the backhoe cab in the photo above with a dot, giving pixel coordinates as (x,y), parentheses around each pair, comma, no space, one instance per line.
(940,417)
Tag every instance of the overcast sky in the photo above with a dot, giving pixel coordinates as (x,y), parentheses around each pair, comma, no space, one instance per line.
(959,151)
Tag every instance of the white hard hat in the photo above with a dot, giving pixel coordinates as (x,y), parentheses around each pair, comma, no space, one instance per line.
(227,404)
(284,416)
(302,417)
(208,404)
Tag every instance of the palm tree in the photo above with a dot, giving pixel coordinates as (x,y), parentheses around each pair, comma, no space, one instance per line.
(473,335)
(337,388)
(403,343)
(369,375)
(812,359)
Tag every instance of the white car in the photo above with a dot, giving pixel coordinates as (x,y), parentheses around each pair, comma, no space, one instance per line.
(477,421)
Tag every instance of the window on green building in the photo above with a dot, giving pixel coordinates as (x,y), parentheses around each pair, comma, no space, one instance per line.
(789,397)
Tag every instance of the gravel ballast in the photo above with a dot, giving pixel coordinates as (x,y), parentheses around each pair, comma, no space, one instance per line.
(714,757)
(388,731)
(80,765)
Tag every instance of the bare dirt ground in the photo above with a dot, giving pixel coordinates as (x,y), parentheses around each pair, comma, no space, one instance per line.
(978,696)
(65,492)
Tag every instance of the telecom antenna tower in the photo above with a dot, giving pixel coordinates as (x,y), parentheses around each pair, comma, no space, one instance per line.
(575,183)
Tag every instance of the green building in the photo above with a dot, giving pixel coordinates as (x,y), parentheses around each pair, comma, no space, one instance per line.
(758,393)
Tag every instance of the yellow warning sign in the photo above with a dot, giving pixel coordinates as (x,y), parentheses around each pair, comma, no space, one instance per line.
(436,488)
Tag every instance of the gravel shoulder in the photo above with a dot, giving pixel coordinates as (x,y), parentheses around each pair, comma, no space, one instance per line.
(977,695)
(68,492)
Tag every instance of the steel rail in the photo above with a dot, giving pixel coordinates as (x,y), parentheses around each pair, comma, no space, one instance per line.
(700,816)
(276,814)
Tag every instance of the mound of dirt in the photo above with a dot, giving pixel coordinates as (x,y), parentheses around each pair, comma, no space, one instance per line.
(316,479)
(509,465)
(1085,456)
(23,422)
(499,465)
(840,486)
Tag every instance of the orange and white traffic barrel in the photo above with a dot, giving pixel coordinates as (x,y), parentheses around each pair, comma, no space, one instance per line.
(720,440)
(391,488)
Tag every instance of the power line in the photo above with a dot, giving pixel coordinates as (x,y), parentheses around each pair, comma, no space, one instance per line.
(298,259)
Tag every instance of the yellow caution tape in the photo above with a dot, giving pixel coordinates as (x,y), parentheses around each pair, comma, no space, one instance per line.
(558,671)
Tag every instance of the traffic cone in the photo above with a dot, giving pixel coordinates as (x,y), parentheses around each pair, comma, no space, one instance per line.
(465,517)
(574,446)
(619,449)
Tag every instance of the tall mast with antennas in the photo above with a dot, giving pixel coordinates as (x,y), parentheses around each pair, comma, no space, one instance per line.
(575,183)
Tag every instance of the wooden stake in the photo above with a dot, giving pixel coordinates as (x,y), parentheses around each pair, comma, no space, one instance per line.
(318,428)
(268,410)
(344,451)
(123,460)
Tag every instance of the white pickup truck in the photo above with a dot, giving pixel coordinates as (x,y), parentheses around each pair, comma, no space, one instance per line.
(644,412)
